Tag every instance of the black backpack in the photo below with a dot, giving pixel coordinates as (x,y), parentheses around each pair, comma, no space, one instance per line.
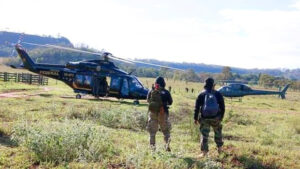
(210,106)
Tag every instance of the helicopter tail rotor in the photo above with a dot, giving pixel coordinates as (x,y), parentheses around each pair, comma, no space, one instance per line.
(282,93)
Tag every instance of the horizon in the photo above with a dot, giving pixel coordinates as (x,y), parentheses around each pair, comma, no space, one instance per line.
(265,33)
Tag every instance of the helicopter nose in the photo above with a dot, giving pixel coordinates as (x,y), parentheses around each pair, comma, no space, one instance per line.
(145,93)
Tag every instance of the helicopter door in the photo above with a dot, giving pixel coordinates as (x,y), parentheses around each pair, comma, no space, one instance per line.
(115,86)
(125,88)
(99,87)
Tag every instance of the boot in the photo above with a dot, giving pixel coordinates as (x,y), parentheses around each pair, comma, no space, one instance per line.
(152,147)
(220,150)
(167,148)
(203,154)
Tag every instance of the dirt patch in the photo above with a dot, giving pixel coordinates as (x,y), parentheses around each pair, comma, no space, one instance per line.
(20,93)
(12,95)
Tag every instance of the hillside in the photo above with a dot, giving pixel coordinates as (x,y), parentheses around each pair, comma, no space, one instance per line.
(54,56)
(12,37)
(201,67)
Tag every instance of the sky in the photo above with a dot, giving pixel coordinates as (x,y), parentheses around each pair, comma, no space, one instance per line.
(237,33)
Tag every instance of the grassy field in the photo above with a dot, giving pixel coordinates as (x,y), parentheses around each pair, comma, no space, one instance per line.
(46,127)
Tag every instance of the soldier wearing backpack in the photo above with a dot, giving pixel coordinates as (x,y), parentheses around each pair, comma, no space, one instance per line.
(159,99)
(211,105)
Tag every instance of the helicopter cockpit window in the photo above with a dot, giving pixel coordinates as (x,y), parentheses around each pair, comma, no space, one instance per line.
(135,84)
(247,88)
(235,86)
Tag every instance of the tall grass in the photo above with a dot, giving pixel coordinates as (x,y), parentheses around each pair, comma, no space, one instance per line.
(66,141)
(144,158)
(114,117)
(296,124)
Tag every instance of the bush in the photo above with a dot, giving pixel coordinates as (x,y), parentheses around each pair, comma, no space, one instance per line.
(65,141)
(124,119)
(114,118)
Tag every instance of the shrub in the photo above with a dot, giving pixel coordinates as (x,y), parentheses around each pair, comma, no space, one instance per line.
(123,119)
(65,141)
(114,118)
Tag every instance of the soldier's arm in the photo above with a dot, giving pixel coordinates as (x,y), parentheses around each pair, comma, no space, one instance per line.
(149,96)
(170,100)
(221,105)
(197,107)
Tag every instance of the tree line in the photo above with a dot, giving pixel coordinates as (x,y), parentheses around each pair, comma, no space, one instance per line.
(264,80)
(48,55)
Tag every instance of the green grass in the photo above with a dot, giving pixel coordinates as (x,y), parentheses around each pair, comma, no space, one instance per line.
(51,129)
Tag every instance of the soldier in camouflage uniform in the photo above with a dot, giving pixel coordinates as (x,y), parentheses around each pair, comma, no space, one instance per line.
(214,122)
(160,118)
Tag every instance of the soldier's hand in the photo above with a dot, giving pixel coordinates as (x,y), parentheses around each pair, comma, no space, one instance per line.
(196,121)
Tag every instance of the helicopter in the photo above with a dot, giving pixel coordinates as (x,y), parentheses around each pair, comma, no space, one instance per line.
(90,76)
(240,90)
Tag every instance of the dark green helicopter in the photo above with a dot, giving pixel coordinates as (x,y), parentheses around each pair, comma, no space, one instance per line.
(90,76)
(240,90)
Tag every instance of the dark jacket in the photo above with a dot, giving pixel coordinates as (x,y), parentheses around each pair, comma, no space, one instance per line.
(165,97)
(200,102)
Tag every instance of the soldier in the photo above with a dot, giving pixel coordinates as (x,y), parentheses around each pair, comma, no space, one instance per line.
(170,89)
(159,99)
(211,105)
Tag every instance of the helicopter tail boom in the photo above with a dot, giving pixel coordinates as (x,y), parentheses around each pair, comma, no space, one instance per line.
(27,61)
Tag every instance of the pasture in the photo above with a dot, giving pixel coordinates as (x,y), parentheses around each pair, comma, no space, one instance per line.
(46,127)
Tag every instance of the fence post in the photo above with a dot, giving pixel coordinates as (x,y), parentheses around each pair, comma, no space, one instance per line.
(5,77)
(30,78)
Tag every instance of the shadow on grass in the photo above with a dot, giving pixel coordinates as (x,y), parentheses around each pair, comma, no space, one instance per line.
(45,95)
(253,163)
(237,138)
(110,100)
(6,141)
(190,161)
(201,163)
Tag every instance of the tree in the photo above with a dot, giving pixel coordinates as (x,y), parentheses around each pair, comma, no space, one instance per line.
(227,74)
(191,76)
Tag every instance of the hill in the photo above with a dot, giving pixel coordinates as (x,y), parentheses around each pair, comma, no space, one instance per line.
(13,37)
(54,56)
(201,67)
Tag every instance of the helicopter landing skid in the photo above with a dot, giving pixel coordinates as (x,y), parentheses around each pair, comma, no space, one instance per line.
(78,96)
(136,102)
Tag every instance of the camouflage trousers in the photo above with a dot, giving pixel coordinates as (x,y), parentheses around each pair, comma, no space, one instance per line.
(160,119)
(205,129)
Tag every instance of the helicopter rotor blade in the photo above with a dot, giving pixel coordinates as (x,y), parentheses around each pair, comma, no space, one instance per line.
(79,51)
(151,64)
(63,48)
(109,55)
